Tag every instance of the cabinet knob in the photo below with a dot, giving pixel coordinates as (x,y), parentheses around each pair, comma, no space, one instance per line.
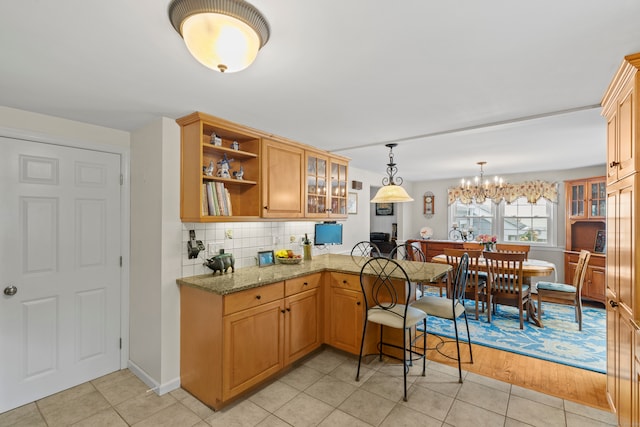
(613,303)
(282,311)
(258,297)
(265,207)
(288,308)
(358,303)
(614,164)
(344,282)
(305,284)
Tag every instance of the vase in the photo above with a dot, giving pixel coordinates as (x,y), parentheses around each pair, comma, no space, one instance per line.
(488,246)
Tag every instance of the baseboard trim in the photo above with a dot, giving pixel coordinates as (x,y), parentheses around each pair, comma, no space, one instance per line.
(153,385)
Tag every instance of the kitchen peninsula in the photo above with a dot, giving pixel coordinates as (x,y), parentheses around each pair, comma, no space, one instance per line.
(238,329)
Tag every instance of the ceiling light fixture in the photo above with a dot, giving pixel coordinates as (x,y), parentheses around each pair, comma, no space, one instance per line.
(224,35)
(391,191)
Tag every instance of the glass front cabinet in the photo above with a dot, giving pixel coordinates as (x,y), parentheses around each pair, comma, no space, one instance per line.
(326,186)
(587,198)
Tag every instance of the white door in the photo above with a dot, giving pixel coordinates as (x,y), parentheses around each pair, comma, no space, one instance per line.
(59,268)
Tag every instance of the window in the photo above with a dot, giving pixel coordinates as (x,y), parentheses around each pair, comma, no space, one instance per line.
(526,222)
(519,221)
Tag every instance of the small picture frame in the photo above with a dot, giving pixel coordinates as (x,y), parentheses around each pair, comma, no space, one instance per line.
(601,242)
(352,203)
(384,209)
(266,258)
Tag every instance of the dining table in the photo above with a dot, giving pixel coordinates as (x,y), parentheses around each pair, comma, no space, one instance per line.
(530,268)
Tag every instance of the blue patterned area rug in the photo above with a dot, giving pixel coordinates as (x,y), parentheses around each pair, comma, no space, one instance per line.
(558,341)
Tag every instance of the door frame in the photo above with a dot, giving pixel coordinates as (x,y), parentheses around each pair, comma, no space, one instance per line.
(125,212)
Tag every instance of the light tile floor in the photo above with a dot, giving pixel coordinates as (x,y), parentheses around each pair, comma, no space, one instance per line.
(320,391)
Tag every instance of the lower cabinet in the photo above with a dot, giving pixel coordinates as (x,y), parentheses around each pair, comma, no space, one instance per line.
(231,343)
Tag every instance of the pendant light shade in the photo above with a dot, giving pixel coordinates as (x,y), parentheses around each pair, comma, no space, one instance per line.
(391,191)
(224,35)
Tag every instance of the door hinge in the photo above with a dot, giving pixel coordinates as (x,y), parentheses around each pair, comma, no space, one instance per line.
(121,179)
(120,261)
(120,343)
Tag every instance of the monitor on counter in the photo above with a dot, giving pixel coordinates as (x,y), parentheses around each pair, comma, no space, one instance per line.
(328,233)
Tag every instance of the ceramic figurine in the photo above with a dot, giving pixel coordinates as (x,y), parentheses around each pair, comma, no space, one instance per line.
(239,173)
(208,171)
(235,145)
(221,263)
(216,140)
(223,167)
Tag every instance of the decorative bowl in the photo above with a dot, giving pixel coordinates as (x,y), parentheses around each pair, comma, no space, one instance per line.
(289,261)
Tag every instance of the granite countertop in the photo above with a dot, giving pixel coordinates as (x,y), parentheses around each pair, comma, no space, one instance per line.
(252,277)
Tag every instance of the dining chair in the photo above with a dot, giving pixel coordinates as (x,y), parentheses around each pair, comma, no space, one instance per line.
(365,248)
(409,252)
(506,284)
(512,247)
(562,293)
(386,306)
(451,308)
(476,284)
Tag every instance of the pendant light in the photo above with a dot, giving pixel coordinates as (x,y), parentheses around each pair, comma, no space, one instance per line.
(224,35)
(391,191)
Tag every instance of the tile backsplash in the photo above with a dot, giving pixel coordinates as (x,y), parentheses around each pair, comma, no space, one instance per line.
(244,240)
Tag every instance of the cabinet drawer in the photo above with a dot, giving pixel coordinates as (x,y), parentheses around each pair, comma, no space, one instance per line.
(299,284)
(253,297)
(346,281)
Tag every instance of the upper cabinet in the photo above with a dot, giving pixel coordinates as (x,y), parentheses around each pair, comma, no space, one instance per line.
(282,180)
(586,198)
(326,184)
(621,113)
(230,172)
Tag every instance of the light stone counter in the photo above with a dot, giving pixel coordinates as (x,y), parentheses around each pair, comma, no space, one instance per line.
(252,277)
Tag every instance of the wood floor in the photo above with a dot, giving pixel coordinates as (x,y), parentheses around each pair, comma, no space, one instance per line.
(566,382)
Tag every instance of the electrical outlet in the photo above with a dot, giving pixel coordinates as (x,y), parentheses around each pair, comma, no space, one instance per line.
(211,249)
(292,239)
(229,234)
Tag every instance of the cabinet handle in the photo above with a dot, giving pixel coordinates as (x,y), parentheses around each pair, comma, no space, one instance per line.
(614,164)
(288,308)
(613,303)
(258,297)
(305,284)
(358,303)
(282,311)
(265,207)
(344,282)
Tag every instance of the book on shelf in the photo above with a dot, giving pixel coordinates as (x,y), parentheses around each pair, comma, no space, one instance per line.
(221,198)
(216,203)
(228,199)
(216,199)
(205,200)
(210,200)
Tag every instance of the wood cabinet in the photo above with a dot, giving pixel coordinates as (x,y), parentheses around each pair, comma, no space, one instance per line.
(282,180)
(594,286)
(197,153)
(231,343)
(586,207)
(267,175)
(326,186)
(303,314)
(622,279)
(346,312)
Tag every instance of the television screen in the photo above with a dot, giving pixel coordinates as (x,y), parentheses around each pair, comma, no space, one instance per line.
(328,234)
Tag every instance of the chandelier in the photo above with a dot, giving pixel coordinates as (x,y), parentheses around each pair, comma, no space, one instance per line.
(481,189)
(224,35)
(391,191)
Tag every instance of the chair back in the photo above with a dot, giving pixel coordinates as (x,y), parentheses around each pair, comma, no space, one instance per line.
(365,248)
(473,245)
(461,275)
(511,247)
(454,256)
(581,270)
(376,281)
(504,270)
(408,252)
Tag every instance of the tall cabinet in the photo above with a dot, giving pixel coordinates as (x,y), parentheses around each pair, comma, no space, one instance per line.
(623,289)
(586,201)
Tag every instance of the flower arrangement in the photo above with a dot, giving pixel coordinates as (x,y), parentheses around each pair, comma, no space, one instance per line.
(486,238)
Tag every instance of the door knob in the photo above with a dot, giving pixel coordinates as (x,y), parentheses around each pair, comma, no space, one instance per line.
(10,290)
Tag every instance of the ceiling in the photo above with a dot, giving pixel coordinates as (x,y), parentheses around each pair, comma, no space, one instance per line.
(516,84)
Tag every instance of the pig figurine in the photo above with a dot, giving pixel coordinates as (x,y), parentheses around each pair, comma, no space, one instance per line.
(221,262)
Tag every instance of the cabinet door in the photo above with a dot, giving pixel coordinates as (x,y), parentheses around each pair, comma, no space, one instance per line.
(338,197)
(317,181)
(253,347)
(626,145)
(596,283)
(302,324)
(347,311)
(597,199)
(282,180)
(577,200)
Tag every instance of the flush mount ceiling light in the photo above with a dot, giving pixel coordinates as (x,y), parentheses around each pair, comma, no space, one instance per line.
(224,35)
(391,191)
